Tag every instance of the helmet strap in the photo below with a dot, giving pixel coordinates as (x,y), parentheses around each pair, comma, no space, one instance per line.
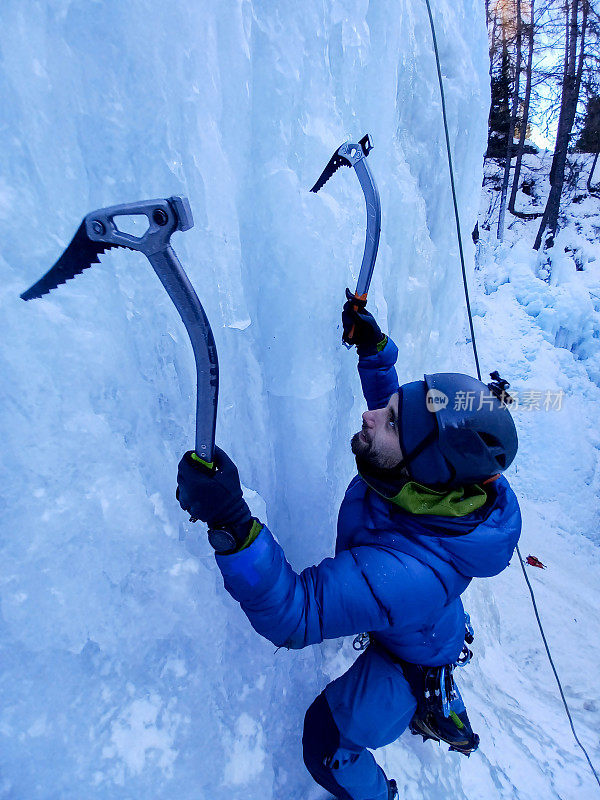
(416,451)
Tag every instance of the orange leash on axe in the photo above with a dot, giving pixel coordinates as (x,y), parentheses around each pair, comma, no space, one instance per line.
(352,154)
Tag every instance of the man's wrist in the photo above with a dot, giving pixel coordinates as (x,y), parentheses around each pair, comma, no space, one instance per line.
(222,541)
(372,349)
(255,528)
(226,541)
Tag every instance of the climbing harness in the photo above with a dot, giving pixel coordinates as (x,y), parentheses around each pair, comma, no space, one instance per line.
(441,714)
(470,317)
(361,641)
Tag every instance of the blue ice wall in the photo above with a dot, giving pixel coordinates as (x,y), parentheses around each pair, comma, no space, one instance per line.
(126,670)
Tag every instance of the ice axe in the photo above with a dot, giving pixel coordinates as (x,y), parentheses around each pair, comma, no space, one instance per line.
(352,154)
(98,232)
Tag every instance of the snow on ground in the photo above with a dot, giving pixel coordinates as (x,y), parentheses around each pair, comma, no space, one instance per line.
(538,321)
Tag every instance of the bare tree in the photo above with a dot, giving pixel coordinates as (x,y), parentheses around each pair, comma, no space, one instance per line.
(576,19)
(595,190)
(524,122)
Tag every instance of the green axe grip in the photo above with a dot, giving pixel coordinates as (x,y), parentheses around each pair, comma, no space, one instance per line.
(209,465)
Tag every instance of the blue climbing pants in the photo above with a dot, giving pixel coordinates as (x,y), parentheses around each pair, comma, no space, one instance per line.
(367,707)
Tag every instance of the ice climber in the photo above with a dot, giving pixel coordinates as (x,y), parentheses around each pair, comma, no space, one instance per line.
(427,512)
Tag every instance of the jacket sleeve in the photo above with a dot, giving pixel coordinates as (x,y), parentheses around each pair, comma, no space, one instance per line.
(366,588)
(378,375)
(326,601)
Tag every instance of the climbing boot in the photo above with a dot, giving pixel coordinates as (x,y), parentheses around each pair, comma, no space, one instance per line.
(455,730)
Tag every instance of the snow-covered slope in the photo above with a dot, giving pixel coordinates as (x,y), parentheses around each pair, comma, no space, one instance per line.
(127,672)
(538,320)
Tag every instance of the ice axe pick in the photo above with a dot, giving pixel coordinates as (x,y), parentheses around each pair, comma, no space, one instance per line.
(98,232)
(352,154)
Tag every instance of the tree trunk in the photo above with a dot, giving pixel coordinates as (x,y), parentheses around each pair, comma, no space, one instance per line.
(493,44)
(511,128)
(525,119)
(593,189)
(571,18)
(568,108)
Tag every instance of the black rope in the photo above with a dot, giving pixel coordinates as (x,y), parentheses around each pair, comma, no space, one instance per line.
(464,273)
(456,214)
(537,616)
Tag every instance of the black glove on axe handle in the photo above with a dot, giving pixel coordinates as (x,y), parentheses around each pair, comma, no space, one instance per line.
(215,497)
(360,326)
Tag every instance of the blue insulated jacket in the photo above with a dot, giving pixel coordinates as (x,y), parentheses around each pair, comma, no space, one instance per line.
(395,574)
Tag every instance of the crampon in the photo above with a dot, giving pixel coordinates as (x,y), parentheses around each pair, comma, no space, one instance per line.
(462,740)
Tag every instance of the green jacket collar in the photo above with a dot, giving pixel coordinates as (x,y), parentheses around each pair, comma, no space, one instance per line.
(415,498)
(458,502)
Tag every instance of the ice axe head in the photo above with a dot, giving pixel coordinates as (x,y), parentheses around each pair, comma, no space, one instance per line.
(99,232)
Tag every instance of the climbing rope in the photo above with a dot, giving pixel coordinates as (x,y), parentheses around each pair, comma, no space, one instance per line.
(456,214)
(464,274)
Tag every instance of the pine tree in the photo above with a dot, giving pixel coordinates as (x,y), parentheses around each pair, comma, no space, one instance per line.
(500,111)
(589,138)
(512,122)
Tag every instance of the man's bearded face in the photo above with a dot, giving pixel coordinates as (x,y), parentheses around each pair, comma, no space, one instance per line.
(377,443)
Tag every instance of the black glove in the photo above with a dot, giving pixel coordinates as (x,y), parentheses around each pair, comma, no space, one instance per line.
(215,497)
(367,333)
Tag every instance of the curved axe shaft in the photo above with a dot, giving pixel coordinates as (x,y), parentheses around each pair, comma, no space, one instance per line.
(99,232)
(353,155)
